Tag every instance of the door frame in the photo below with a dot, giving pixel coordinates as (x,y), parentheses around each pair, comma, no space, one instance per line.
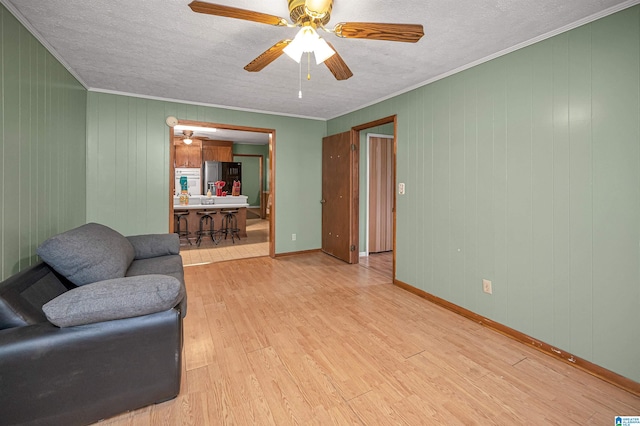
(272,174)
(355,139)
(367,180)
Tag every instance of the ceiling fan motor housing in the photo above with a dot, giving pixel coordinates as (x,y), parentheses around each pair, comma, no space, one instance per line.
(298,11)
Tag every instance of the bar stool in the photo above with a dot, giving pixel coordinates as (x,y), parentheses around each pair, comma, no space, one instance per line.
(207,216)
(180,216)
(230,224)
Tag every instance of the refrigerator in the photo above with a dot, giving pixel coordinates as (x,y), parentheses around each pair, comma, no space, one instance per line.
(213,171)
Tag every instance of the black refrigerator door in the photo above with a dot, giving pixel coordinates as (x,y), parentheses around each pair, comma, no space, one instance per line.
(230,172)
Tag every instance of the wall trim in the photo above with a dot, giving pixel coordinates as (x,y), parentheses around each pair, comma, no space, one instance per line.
(566,357)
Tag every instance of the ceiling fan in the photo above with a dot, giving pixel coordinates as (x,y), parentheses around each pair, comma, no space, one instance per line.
(310,15)
(186,136)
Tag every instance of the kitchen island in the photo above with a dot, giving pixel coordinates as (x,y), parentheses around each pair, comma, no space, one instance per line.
(196,205)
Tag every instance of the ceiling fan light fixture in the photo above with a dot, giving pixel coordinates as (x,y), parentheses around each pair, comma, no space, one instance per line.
(187,136)
(322,51)
(308,40)
(294,51)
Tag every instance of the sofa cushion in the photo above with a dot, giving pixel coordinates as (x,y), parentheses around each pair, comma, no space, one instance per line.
(154,245)
(114,299)
(166,265)
(87,254)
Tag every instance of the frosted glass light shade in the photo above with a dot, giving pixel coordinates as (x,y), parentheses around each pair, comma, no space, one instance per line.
(322,51)
(308,40)
(294,50)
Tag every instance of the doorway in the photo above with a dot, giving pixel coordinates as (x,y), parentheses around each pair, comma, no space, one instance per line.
(379,217)
(233,143)
(383,261)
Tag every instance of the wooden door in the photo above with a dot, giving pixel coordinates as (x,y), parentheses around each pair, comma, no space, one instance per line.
(340,197)
(380,194)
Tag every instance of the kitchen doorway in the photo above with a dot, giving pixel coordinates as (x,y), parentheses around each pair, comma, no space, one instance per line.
(222,142)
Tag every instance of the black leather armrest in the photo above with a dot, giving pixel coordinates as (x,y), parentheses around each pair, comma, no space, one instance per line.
(79,375)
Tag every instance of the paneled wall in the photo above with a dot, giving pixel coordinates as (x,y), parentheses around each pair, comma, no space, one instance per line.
(525,170)
(42,146)
(128,165)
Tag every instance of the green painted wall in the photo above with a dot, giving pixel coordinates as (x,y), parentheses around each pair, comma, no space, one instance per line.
(42,146)
(250,179)
(128,165)
(525,170)
(251,170)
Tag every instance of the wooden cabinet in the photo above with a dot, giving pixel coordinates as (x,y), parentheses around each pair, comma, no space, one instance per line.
(217,150)
(193,155)
(188,155)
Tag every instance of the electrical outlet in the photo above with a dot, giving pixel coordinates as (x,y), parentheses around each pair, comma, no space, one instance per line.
(293,237)
(486,286)
(401,188)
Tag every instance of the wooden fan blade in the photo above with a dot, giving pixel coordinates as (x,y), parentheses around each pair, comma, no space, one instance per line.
(268,56)
(234,12)
(409,33)
(337,66)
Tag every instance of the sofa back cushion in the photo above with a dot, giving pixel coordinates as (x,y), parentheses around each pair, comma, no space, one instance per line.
(23,295)
(87,254)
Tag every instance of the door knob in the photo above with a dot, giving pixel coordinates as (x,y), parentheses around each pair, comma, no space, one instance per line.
(323,201)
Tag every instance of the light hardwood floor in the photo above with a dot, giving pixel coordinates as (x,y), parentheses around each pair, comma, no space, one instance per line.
(255,244)
(309,339)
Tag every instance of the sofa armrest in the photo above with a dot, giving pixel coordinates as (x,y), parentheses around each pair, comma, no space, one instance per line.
(115,299)
(79,375)
(154,245)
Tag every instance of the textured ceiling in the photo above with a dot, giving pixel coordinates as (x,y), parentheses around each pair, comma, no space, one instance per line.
(160,48)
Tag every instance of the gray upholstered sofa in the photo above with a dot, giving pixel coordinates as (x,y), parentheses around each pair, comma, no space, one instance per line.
(92,331)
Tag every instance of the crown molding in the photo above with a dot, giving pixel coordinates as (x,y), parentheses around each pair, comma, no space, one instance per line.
(179,101)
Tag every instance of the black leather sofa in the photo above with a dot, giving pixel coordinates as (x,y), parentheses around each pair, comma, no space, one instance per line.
(92,368)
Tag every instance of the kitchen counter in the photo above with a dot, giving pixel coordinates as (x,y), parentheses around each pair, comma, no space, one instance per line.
(194,218)
(209,206)
(196,202)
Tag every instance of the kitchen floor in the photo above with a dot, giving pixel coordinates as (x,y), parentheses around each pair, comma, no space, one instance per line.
(254,245)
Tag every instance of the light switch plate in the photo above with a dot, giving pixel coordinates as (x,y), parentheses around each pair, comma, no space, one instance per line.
(487,287)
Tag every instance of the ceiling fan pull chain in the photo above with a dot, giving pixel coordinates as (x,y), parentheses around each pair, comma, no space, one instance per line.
(300,79)
(308,65)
